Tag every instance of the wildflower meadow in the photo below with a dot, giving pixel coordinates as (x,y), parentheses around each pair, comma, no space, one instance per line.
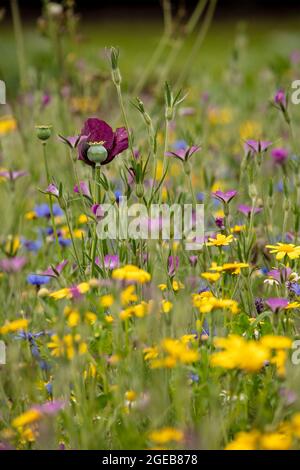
(150,230)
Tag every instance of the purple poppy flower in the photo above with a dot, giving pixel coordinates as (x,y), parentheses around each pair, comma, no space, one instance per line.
(276,303)
(52,189)
(12,265)
(173,263)
(84,188)
(13,175)
(279,155)
(183,154)
(246,210)
(257,146)
(95,130)
(56,270)
(225,197)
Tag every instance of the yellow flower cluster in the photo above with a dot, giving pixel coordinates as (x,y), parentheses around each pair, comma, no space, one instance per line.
(279,439)
(206,302)
(139,311)
(73,317)
(171,352)
(68,292)
(13,326)
(67,346)
(165,435)
(131,273)
(251,356)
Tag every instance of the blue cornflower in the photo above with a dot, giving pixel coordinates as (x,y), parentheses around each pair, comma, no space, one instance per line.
(295,288)
(32,245)
(194,378)
(37,279)
(118,194)
(43,210)
(64,241)
(180,144)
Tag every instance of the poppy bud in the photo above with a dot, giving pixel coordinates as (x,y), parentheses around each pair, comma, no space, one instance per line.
(43,132)
(139,190)
(97,153)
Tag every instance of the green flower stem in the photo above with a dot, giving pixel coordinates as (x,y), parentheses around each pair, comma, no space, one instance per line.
(50,200)
(165,163)
(73,242)
(97,198)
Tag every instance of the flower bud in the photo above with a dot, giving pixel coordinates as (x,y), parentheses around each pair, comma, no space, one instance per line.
(43,132)
(96,152)
(139,190)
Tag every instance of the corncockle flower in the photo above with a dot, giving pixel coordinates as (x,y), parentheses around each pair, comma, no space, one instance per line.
(71,141)
(13,175)
(111,261)
(56,270)
(46,99)
(184,154)
(280,98)
(37,279)
(279,155)
(276,303)
(193,260)
(257,146)
(12,265)
(280,275)
(246,210)
(84,189)
(52,189)
(96,136)
(173,263)
(98,211)
(224,197)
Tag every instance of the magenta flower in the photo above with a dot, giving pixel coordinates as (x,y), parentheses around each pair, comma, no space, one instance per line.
(226,196)
(71,141)
(173,264)
(110,261)
(97,131)
(193,260)
(56,270)
(257,146)
(52,189)
(13,175)
(50,408)
(12,265)
(184,154)
(276,303)
(84,188)
(280,98)
(279,155)
(246,210)
(280,275)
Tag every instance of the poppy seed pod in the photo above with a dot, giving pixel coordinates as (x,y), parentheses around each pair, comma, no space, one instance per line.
(96,152)
(43,132)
